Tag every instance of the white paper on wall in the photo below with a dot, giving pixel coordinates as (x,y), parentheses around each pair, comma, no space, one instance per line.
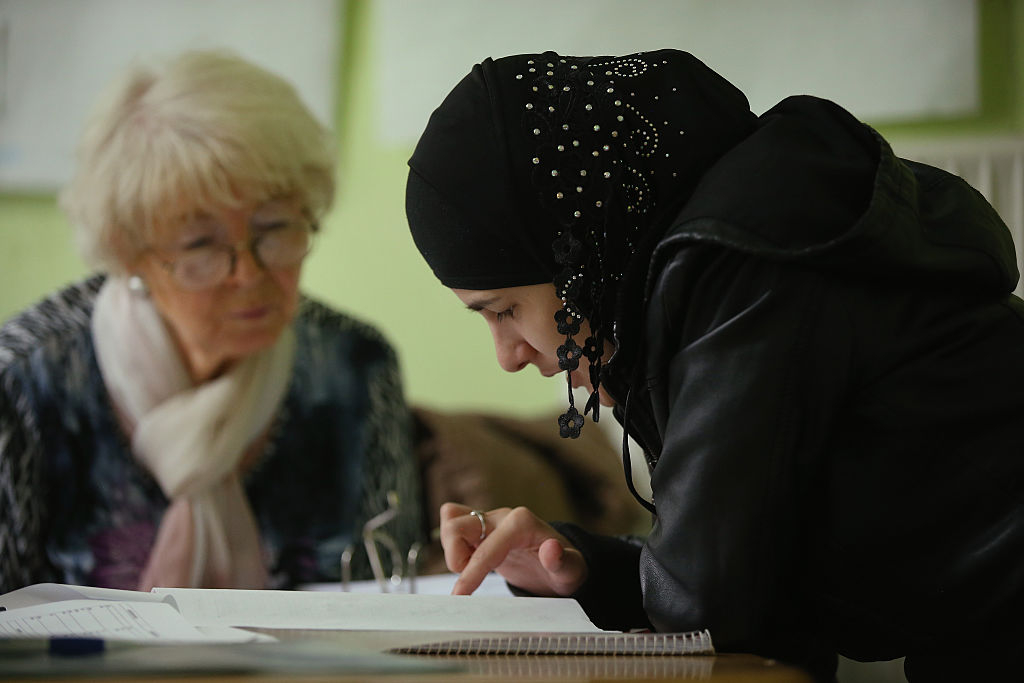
(882,59)
(57,55)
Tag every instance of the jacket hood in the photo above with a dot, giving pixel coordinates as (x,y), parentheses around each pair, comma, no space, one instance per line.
(815,186)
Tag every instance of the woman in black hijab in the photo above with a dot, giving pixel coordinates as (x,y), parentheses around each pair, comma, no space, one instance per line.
(815,342)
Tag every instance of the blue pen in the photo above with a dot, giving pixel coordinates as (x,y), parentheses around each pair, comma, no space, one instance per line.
(62,646)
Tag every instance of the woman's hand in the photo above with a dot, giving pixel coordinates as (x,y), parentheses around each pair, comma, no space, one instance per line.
(520,546)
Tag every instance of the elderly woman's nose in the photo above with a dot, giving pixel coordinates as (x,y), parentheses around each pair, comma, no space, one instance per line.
(247,268)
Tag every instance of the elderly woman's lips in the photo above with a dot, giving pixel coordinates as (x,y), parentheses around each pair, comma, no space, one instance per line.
(251,313)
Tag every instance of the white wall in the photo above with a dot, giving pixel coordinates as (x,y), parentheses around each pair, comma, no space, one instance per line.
(877,58)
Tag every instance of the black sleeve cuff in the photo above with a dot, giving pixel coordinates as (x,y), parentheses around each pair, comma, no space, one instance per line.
(611,595)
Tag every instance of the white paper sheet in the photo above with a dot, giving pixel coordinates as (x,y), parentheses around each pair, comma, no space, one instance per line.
(43,593)
(430,584)
(110,620)
(380,611)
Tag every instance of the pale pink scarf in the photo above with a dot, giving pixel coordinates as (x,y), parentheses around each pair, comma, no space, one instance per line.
(191,438)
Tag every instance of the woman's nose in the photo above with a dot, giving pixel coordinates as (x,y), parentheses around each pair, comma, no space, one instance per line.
(247,268)
(513,352)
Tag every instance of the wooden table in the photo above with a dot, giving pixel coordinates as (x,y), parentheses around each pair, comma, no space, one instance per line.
(560,669)
(733,668)
(171,665)
(725,668)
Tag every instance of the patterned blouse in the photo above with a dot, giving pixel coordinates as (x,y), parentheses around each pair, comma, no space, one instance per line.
(76,507)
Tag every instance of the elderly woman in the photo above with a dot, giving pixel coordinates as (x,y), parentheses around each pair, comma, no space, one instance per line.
(815,341)
(187,417)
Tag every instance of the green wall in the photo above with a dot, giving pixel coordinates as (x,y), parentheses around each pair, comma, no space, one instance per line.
(366,263)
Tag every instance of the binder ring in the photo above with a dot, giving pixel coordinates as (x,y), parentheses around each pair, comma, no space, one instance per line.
(483,523)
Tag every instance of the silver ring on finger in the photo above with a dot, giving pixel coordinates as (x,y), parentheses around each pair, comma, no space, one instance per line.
(483,522)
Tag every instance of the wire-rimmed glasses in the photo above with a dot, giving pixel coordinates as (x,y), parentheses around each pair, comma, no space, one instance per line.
(282,245)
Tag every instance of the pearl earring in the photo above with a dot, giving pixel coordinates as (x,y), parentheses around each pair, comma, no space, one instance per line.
(137,286)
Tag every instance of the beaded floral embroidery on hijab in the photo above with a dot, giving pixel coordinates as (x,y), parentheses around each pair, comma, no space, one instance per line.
(593,165)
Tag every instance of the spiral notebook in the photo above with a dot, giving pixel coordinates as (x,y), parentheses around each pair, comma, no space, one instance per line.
(688,643)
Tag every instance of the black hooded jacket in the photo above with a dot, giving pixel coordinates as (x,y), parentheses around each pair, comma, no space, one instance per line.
(824,362)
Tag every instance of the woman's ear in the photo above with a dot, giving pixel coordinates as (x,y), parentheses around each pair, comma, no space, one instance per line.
(129,251)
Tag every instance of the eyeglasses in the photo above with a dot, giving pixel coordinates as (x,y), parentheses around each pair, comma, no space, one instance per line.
(277,247)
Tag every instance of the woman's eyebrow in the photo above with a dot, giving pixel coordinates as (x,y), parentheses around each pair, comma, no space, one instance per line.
(481,304)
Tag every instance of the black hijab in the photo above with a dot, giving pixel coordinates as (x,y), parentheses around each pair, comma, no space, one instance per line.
(545,168)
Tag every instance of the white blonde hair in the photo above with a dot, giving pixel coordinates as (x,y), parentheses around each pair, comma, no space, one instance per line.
(206,130)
